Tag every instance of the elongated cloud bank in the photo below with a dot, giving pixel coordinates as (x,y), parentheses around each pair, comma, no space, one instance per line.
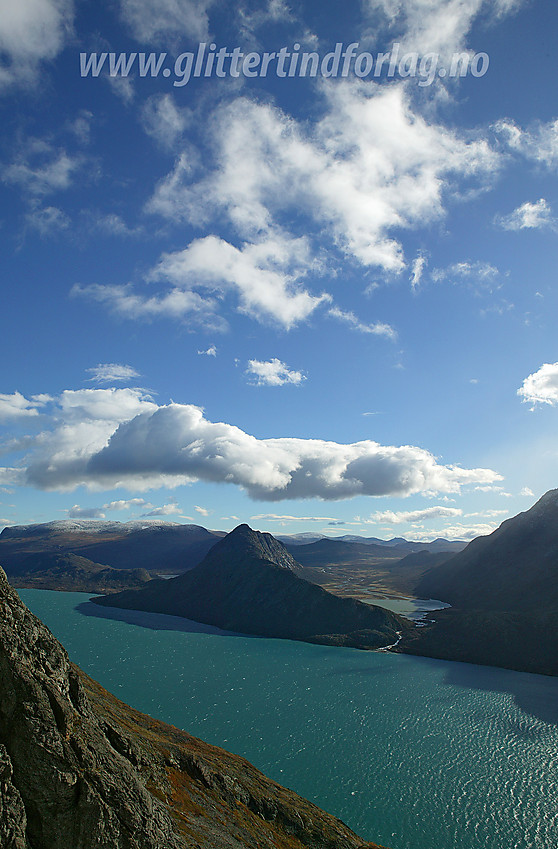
(172,445)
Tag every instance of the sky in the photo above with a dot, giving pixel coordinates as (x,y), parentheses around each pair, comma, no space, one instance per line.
(318,303)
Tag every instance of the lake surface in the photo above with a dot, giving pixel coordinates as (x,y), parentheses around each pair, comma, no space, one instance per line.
(413,608)
(410,752)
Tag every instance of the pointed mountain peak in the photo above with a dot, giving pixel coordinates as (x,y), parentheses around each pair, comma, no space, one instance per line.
(243,530)
(244,541)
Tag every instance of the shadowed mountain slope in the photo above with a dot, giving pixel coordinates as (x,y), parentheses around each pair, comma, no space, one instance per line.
(514,568)
(249,583)
(503,589)
(81,770)
(72,573)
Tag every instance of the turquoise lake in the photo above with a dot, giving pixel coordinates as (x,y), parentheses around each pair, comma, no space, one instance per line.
(410,752)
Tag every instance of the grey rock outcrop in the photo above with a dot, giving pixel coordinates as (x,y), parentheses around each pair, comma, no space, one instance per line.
(72,782)
(13,822)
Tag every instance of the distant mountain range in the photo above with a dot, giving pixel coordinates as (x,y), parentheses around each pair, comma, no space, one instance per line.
(93,530)
(250,583)
(88,526)
(503,589)
(400,543)
(159,548)
(81,770)
(155,546)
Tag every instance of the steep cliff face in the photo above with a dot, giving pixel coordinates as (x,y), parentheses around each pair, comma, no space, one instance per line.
(250,583)
(79,769)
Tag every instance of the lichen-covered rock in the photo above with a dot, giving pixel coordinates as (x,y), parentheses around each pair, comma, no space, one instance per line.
(13,821)
(81,770)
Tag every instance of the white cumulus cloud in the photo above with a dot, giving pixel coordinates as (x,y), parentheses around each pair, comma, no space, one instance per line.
(439,26)
(263,275)
(404,516)
(81,425)
(157,20)
(273,373)
(368,166)
(453,532)
(477,274)
(16,406)
(40,168)
(174,303)
(274,517)
(77,512)
(541,387)
(171,509)
(417,269)
(538,143)
(11,476)
(126,504)
(31,32)
(47,220)
(164,120)
(528,216)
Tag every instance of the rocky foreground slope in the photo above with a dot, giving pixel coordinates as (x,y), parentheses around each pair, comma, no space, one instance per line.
(250,583)
(79,769)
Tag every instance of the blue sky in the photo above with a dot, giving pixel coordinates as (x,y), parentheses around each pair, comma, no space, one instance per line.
(323,303)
